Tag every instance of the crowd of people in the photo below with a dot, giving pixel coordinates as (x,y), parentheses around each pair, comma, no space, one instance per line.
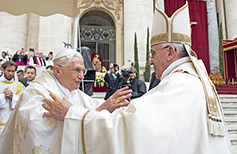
(12,86)
(24,58)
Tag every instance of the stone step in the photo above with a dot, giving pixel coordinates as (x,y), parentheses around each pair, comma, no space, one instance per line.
(231,127)
(98,95)
(228,98)
(230,118)
(233,137)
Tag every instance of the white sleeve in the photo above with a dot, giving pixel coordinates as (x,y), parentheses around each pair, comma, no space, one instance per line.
(15,99)
(3,101)
(72,130)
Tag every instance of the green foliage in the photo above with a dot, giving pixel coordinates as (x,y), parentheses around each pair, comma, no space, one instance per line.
(99,78)
(220,50)
(136,54)
(147,72)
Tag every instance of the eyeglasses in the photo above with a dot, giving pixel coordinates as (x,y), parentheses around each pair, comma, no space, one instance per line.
(152,51)
(77,70)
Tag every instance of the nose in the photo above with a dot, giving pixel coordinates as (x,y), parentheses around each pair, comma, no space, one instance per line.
(151,62)
(81,76)
(11,73)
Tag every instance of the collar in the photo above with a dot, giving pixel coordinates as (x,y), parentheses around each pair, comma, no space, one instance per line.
(2,78)
(63,90)
(173,65)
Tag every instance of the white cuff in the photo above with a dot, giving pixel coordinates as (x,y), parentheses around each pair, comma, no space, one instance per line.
(14,101)
(75,112)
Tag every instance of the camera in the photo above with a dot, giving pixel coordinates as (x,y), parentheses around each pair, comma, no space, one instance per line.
(125,79)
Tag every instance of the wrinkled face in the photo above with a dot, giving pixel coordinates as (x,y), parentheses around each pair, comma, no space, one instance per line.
(30,74)
(20,76)
(159,59)
(132,75)
(36,53)
(71,76)
(9,72)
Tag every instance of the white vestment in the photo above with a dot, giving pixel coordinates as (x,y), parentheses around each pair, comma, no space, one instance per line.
(7,105)
(27,130)
(169,119)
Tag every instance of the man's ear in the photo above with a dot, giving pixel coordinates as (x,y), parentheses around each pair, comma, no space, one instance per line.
(57,71)
(171,53)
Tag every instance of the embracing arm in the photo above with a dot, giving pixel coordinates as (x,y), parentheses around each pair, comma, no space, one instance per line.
(58,108)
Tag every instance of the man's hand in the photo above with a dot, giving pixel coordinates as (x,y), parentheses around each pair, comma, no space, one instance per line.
(8,93)
(117,100)
(57,107)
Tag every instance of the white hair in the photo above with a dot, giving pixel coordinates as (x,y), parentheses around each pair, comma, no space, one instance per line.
(180,49)
(66,59)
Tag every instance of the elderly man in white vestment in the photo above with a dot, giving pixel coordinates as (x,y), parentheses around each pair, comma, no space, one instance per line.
(28,131)
(10,92)
(182,115)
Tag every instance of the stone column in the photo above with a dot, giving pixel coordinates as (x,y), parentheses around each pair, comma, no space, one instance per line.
(75,23)
(32,32)
(231,18)
(137,17)
(213,37)
(221,17)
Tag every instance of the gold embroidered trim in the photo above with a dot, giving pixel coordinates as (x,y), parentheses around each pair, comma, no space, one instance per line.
(18,88)
(213,106)
(7,82)
(177,37)
(2,124)
(159,38)
(82,132)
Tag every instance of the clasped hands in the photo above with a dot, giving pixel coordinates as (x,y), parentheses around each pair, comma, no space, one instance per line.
(8,93)
(58,108)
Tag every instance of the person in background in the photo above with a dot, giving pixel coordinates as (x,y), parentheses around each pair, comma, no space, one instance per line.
(1,69)
(10,92)
(28,58)
(30,72)
(138,86)
(4,56)
(49,59)
(20,74)
(42,58)
(20,57)
(112,77)
(154,81)
(36,60)
(49,67)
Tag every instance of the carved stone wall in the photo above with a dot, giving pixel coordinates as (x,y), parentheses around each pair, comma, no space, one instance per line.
(114,8)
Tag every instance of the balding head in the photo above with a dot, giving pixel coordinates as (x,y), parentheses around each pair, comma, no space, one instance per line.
(64,57)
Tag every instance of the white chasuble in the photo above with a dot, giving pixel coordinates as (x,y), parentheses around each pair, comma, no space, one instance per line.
(27,130)
(169,119)
(7,105)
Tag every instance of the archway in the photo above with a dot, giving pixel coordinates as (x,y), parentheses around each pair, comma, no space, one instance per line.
(98,32)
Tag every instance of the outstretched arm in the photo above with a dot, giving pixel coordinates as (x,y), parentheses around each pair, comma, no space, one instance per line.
(58,108)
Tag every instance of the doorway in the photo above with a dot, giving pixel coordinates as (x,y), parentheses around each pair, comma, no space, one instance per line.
(97,31)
